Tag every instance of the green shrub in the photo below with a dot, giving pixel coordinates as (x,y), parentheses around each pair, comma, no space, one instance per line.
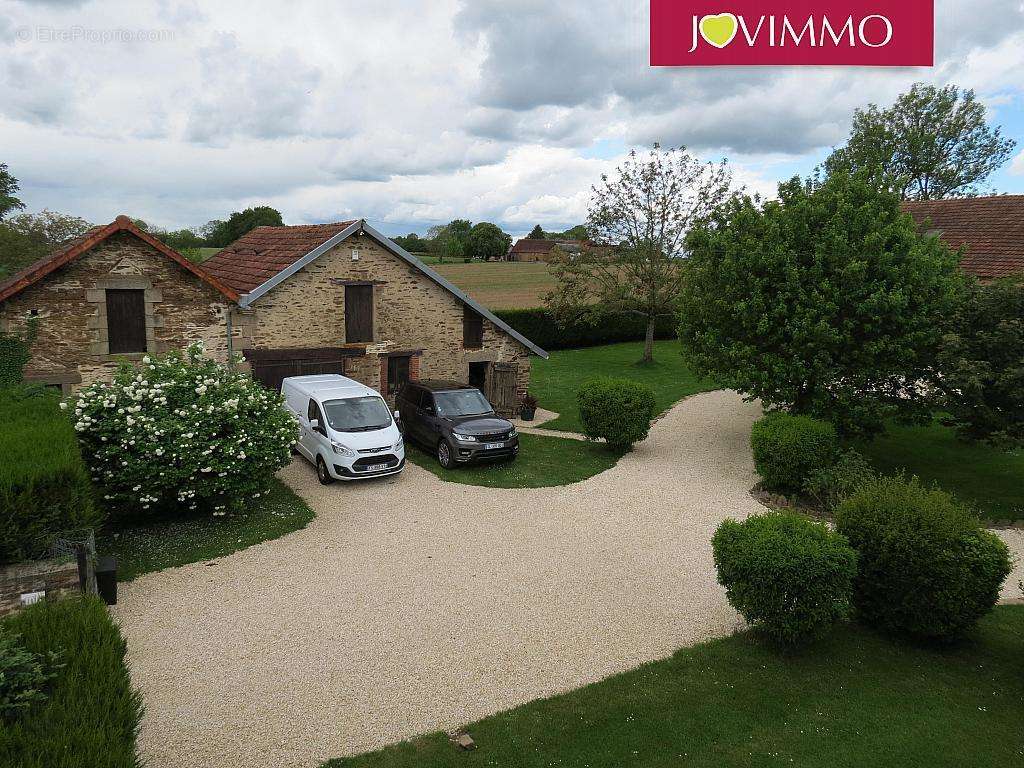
(617,410)
(91,717)
(23,675)
(787,576)
(182,430)
(981,361)
(788,449)
(541,327)
(926,567)
(828,486)
(44,485)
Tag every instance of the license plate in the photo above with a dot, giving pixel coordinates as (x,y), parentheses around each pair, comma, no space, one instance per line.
(492,446)
(376,467)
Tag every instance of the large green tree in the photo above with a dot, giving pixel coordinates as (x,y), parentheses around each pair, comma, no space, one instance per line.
(932,143)
(825,302)
(8,187)
(638,219)
(981,365)
(537,233)
(28,237)
(487,241)
(449,240)
(241,222)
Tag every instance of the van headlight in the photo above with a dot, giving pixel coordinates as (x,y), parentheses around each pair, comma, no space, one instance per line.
(464,438)
(399,445)
(342,450)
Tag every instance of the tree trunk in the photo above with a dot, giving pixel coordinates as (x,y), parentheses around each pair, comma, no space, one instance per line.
(649,341)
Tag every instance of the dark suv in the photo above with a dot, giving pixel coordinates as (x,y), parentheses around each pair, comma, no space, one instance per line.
(455,421)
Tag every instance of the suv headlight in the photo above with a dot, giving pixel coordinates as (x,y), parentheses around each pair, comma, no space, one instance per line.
(512,433)
(342,450)
(464,438)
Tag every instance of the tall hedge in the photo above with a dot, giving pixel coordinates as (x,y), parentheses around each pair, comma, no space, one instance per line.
(90,715)
(44,485)
(540,327)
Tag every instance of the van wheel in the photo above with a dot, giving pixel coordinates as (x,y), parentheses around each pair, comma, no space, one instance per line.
(444,454)
(321,472)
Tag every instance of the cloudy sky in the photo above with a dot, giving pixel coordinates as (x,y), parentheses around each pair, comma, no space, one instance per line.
(409,113)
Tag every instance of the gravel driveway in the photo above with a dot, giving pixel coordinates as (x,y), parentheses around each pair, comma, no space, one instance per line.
(412,604)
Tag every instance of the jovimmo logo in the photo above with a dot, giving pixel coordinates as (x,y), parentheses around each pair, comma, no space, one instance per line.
(870,33)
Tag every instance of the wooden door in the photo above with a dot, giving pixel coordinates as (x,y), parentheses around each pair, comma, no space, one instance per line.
(503,389)
(126,320)
(358,313)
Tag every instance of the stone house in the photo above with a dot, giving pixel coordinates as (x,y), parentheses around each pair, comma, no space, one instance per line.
(327,298)
(114,293)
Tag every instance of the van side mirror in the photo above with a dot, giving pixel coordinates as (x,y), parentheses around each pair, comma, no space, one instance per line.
(397,416)
(314,423)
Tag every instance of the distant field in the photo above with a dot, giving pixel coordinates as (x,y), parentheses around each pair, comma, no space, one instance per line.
(205,253)
(502,284)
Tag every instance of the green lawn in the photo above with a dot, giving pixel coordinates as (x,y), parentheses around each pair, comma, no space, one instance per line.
(856,700)
(152,546)
(992,480)
(554,381)
(542,462)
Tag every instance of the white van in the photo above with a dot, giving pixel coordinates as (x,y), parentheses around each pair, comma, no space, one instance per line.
(345,428)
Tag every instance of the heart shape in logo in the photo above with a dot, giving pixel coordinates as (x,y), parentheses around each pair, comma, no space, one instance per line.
(718,30)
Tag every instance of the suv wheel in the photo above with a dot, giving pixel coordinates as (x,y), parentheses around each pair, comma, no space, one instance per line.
(444,454)
(321,472)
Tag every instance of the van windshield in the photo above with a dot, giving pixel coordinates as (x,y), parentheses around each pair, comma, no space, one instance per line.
(462,402)
(357,414)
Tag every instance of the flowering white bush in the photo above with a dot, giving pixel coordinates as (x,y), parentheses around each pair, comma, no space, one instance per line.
(182,430)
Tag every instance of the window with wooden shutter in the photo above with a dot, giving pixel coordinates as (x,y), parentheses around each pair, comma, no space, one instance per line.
(472,329)
(126,320)
(358,313)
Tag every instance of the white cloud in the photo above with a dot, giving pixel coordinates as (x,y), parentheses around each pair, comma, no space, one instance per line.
(412,113)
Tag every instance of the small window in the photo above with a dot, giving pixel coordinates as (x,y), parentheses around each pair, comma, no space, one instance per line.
(472,329)
(126,321)
(398,373)
(313,411)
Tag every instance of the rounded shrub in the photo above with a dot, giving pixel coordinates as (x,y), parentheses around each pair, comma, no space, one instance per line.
(787,576)
(182,431)
(788,449)
(617,410)
(926,568)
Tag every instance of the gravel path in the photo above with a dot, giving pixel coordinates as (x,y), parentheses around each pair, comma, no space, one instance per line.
(411,604)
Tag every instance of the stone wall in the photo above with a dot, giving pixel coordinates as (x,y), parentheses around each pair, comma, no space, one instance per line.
(55,577)
(69,304)
(412,313)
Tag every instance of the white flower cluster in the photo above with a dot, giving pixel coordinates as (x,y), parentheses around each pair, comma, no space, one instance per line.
(182,430)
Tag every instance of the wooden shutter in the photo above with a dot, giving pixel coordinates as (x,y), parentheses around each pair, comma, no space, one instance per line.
(358,313)
(503,389)
(472,329)
(126,320)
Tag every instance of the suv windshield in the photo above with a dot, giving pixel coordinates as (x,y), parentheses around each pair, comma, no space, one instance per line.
(462,402)
(357,414)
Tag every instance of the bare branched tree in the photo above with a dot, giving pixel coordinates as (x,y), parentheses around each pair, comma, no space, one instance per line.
(637,223)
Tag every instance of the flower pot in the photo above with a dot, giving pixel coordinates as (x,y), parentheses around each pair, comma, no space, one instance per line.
(527,414)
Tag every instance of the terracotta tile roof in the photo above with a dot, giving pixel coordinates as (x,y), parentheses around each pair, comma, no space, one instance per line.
(77,246)
(257,256)
(533,245)
(990,228)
